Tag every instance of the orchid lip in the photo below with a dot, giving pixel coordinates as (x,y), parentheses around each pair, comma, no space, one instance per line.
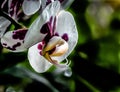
(56,63)
(54,48)
(57,45)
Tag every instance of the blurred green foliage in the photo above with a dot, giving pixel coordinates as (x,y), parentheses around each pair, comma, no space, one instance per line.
(95,62)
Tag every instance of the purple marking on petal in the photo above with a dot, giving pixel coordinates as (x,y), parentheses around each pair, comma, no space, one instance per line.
(44,29)
(18,6)
(56,34)
(12,13)
(40,53)
(14,46)
(65,37)
(54,25)
(61,1)
(47,38)
(51,19)
(15,7)
(48,27)
(4,44)
(19,34)
(12,7)
(13,3)
(11,48)
(40,46)
(17,45)
(48,2)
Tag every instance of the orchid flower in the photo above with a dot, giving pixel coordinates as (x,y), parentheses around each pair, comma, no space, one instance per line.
(32,6)
(12,11)
(50,38)
(14,8)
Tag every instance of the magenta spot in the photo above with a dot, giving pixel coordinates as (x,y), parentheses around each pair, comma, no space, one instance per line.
(43,42)
(47,27)
(65,37)
(11,48)
(54,24)
(11,12)
(56,34)
(4,44)
(39,46)
(14,46)
(44,29)
(48,1)
(51,19)
(17,45)
(61,1)
(19,34)
(40,53)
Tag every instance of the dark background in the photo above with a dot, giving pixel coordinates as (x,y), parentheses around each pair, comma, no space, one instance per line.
(95,62)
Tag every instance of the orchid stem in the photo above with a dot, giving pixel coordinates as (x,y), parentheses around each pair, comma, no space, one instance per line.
(17,25)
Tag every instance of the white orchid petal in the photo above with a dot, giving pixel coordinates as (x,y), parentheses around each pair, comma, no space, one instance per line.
(31,6)
(66,26)
(38,62)
(34,34)
(13,40)
(4,23)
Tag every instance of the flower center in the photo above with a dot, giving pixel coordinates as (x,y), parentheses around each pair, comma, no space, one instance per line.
(54,48)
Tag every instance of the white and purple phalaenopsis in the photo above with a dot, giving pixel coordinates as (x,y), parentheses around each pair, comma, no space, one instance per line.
(49,40)
(29,7)
(13,10)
